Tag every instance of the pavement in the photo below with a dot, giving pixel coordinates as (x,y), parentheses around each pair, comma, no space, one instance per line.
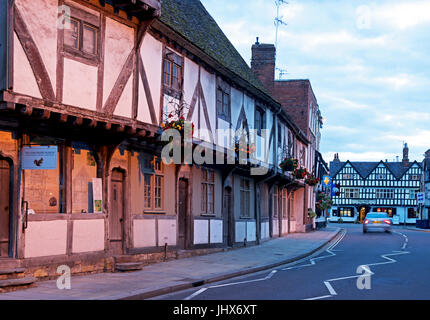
(417,229)
(172,276)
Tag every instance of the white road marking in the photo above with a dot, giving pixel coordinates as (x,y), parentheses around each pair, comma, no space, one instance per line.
(230,284)
(321,297)
(384,256)
(330,288)
(312,262)
(195,294)
(329,251)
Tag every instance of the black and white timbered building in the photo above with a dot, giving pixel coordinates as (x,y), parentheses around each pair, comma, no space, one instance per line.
(376,186)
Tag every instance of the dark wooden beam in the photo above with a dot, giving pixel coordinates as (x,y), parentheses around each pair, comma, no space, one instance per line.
(34,57)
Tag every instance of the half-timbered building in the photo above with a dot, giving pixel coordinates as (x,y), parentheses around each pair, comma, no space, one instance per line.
(85,87)
(383,186)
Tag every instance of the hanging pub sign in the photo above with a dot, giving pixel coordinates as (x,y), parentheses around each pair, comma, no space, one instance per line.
(39,157)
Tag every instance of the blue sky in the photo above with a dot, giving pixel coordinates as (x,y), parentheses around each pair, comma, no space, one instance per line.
(368,63)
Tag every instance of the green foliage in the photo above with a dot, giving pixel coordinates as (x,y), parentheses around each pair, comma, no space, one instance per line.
(311,213)
(323,201)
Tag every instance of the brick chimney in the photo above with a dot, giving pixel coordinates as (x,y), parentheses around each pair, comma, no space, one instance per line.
(405,159)
(336,157)
(263,63)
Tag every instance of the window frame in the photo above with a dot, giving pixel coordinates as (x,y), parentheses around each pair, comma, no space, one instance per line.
(89,20)
(206,185)
(262,116)
(171,87)
(223,98)
(153,173)
(243,203)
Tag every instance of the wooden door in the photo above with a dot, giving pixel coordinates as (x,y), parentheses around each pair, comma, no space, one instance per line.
(183,228)
(116,215)
(4,208)
(229,216)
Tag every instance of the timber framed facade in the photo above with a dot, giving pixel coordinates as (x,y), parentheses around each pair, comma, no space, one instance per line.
(383,186)
(95,94)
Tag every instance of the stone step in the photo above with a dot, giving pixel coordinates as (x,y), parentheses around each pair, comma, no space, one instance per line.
(12,284)
(12,273)
(128,266)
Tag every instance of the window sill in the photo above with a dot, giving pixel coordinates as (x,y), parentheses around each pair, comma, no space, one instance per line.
(210,215)
(80,56)
(175,93)
(154,212)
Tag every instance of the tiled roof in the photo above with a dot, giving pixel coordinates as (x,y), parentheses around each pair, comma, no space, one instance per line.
(190,19)
(365,168)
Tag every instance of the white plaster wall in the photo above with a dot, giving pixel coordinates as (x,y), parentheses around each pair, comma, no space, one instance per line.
(45,238)
(88,235)
(208,82)
(151,52)
(41,19)
(275,224)
(224,134)
(119,42)
(236,100)
(251,231)
(265,230)
(191,76)
(284,225)
(216,231)
(125,103)
(240,231)
(249,110)
(144,233)
(293,226)
(80,84)
(166,232)
(201,228)
(23,78)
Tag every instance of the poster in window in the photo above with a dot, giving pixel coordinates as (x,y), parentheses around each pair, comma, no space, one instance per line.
(97,195)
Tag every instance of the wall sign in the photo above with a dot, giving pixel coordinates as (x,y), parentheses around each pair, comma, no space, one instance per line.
(39,157)
(97,195)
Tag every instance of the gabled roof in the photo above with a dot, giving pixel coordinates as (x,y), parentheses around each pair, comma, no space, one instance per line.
(190,19)
(365,168)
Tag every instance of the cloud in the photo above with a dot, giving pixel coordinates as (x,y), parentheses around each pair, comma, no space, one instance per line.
(371,81)
(401,16)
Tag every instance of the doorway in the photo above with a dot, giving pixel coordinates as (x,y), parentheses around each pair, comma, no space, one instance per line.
(183,229)
(116,215)
(5,207)
(228,216)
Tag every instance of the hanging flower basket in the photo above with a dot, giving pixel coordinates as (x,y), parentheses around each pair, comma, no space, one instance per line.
(323,201)
(311,180)
(300,173)
(289,164)
(249,149)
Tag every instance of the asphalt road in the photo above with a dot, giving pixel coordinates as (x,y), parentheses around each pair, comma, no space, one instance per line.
(397,268)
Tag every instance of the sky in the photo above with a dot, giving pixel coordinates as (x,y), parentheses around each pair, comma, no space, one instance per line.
(368,63)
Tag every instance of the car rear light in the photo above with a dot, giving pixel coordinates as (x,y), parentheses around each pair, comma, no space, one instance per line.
(387,221)
(366,221)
